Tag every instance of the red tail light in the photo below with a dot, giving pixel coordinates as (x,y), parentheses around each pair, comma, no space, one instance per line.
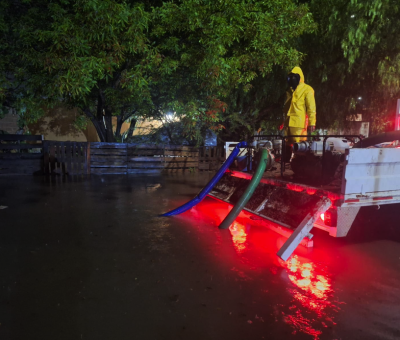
(330,218)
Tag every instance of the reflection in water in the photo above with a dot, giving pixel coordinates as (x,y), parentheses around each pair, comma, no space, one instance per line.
(311,309)
(304,276)
(152,187)
(312,293)
(239,236)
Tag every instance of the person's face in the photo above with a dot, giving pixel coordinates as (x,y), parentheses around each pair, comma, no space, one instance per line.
(293,80)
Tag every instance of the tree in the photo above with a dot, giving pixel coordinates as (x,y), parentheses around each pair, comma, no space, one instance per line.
(139,58)
(353,60)
(98,57)
(233,48)
(15,92)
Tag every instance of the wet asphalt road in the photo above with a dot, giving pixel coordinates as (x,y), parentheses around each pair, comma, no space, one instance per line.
(90,259)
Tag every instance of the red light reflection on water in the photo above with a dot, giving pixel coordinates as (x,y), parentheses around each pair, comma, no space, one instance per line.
(313,290)
(303,275)
(312,308)
(239,236)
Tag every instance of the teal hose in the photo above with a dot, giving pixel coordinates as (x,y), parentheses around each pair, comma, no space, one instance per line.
(248,193)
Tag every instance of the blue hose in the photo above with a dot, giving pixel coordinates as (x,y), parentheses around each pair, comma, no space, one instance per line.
(203,193)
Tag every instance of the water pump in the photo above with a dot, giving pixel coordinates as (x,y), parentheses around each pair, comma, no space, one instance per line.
(307,160)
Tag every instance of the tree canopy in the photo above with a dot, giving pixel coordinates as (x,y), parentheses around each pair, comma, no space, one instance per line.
(353,60)
(214,64)
(127,58)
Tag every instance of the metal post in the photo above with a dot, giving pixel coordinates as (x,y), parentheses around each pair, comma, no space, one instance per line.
(303,229)
(324,148)
(283,155)
(323,159)
(249,160)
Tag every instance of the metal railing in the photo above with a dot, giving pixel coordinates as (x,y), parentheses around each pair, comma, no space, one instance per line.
(308,137)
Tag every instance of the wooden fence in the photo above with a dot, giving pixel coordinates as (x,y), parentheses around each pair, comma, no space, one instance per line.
(211,157)
(65,158)
(153,158)
(117,158)
(20,154)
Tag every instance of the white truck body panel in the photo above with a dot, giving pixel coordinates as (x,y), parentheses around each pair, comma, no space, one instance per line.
(229,146)
(371,177)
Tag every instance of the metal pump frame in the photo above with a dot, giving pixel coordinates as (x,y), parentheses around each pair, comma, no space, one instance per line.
(315,137)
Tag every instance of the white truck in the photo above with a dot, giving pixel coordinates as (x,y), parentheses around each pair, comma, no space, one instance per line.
(364,174)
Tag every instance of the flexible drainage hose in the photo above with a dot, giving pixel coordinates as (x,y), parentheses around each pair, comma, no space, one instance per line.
(210,184)
(248,192)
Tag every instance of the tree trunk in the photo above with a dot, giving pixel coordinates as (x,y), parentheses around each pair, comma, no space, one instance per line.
(167,129)
(118,128)
(100,129)
(109,130)
(97,123)
(130,130)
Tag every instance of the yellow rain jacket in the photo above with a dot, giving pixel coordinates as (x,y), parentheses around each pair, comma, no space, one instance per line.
(300,103)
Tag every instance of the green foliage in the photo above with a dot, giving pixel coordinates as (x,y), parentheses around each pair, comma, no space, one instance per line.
(135,59)
(216,64)
(231,43)
(81,122)
(353,61)
(229,53)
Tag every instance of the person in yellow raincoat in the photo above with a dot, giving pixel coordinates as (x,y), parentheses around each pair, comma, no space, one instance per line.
(299,107)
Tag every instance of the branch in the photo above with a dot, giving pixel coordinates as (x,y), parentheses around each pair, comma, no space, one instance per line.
(118,74)
(89,114)
(129,115)
(100,104)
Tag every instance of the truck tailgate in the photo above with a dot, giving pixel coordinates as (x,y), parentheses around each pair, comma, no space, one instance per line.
(371,177)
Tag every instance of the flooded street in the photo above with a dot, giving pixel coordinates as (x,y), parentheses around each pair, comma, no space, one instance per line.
(91,259)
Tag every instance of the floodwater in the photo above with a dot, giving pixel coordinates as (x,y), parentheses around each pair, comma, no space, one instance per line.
(90,259)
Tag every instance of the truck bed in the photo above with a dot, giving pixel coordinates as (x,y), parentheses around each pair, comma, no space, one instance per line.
(290,182)
(289,177)
(369,177)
